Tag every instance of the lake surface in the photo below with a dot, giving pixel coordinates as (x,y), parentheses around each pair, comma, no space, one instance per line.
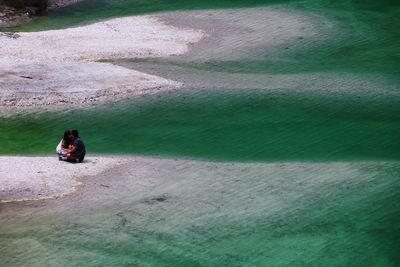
(185,213)
(325,109)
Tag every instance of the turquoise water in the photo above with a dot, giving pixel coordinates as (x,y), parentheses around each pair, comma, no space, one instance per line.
(207,214)
(353,117)
(332,105)
(93,10)
(224,126)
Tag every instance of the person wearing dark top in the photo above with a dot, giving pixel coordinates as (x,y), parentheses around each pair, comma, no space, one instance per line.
(77,150)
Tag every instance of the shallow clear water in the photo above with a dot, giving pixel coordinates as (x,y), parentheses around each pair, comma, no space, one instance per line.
(335,96)
(180,213)
(92,10)
(246,126)
(333,101)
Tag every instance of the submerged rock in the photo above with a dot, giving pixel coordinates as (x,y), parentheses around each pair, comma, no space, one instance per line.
(53,4)
(10,17)
(12,14)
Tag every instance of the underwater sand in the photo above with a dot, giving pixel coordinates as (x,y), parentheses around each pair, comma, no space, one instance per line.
(301,156)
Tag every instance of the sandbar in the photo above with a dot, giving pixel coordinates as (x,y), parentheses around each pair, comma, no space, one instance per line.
(43,70)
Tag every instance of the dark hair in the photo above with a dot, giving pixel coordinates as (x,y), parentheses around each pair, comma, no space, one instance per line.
(75,133)
(66,135)
(66,139)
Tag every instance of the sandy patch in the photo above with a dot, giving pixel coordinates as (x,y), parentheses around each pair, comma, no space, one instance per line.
(39,70)
(71,84)
(234,34)
(166,205)
(43,70)
(25,178)
(128,37)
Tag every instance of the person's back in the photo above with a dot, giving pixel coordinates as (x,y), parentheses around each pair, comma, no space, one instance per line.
(78,148)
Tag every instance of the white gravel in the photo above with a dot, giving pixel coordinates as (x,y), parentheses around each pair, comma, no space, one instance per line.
(127,37)
(44,70)
(26,87)
(27,178)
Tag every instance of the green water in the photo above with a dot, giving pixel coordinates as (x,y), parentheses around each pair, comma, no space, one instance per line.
(223,126)
(271,125)
(326,214)
(93,10)
(231,215)
(372,45)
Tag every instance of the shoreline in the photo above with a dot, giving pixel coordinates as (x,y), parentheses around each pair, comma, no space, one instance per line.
(63,64)
(11,17)
(69,59)
(59,68)
(46,87)
(179,204)
(40,178)
(47,178)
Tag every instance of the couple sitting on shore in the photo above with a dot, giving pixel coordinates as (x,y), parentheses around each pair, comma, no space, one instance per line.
(71,148)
